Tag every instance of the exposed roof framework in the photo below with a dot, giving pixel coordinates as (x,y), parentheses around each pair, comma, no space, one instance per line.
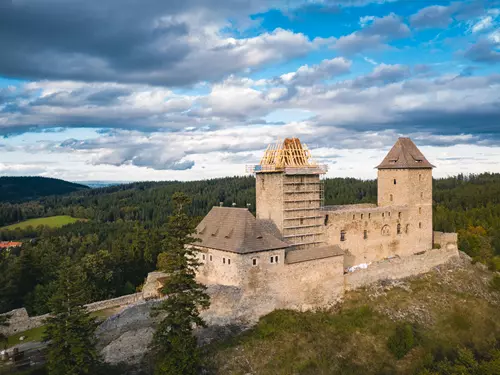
(290,156)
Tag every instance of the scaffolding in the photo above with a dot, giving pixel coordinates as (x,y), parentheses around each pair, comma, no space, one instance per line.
(303,191)
(303,221)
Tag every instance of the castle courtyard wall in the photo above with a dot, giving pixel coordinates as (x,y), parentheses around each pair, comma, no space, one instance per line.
(399,267)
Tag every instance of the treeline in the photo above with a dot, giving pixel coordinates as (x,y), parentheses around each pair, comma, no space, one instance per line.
(114,256)
(16,189)
(118,245)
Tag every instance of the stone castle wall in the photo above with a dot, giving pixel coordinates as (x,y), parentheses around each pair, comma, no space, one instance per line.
(399,267)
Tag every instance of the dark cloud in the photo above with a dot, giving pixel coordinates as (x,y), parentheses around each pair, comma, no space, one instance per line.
(434,16)
(382,75)
(154,41)
(373,35)
(484,51)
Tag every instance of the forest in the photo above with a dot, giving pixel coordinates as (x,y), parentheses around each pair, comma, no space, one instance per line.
(119,243)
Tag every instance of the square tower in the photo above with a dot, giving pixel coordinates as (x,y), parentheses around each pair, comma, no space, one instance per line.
(289,193)
(405,179)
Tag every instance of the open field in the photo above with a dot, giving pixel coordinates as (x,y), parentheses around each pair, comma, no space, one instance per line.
(52,221)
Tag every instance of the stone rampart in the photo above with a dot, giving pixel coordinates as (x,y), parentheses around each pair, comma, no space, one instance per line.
(114,302)
(20,321)
(445,240)
(399,267)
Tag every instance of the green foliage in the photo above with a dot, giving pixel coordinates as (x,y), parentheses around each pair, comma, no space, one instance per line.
(495,283)
(69,331)
(14,189)
(4,322)
(402,340)
(174,344)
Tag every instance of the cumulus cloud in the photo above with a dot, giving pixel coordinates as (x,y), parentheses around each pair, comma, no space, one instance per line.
(374,34)
(383,74)
(484,51)
(309,75)
(434,16)
(164,43)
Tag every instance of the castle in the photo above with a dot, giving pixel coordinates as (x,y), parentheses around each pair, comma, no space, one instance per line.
(303,253)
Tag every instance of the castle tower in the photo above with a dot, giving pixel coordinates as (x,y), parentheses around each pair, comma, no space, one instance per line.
(405,179)
(289,193)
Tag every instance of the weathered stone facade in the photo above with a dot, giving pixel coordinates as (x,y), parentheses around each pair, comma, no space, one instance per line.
(391,238)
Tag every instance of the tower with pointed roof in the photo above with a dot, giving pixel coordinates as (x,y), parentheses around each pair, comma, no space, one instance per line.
(405,180)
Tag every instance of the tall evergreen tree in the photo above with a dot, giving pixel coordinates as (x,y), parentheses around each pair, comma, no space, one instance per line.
(70,329)
(174,343)
(4,322)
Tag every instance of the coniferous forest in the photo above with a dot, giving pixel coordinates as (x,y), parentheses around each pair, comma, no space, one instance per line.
(119,242)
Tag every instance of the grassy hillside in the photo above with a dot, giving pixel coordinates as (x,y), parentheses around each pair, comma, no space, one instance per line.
(421,320)
(52,222)
(17,189)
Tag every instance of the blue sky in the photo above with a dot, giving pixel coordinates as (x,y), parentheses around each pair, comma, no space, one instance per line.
(93,90)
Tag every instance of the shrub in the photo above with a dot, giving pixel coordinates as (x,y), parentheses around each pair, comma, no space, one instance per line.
(402,340)
(436,246)
(495,283)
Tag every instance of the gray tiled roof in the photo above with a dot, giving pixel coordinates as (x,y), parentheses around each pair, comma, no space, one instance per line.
(235,230)
(304,255)
(404,154)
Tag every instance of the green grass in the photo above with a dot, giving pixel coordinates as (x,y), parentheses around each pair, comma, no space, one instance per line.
(34,334)
(52,221)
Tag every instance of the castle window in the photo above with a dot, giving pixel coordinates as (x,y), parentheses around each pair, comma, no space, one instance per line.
(407,229)
(271,260)
(386,230)
(223,260)
(394,181)
(399,228)
(383,214)
(210,258)
(326,219)
(342,235)
(420,177)
(369,216)
(254,261)
(203,256)
(276,259)
(361,216)
(420,225)
(421,194)
(420,210)
(228,261)
(388,214)
(391,197)
(365,234)
(301,221)
(354,217)
(399,215)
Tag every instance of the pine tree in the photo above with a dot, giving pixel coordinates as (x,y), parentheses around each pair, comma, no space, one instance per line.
(4,322)
(70,329)
(174,343)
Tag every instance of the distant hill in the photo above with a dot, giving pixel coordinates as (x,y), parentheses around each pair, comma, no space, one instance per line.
(17,189)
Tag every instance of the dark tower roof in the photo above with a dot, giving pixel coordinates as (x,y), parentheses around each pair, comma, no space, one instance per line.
(404,154)
(235,230)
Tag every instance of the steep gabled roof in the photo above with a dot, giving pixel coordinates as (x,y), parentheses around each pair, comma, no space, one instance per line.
(235,230)
(404,154)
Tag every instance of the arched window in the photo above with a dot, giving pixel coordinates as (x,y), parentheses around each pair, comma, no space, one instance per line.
(353,217)
(342,235)
(386,230)
(391,197)
(420,225)
(407,229)
(394,181)
(365,234)
(399,215)
(420,210)
(399,228)
(421,194)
